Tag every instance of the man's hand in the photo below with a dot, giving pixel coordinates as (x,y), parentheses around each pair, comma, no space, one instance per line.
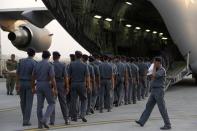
(67,91)
(54,91)
(17,88)
(33,90)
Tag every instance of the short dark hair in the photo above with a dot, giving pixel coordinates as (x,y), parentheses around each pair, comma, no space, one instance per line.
(72,57)
(56,53)
(78,54)
(85,57)
(91,59)
(31,52)
(46,54)
(132,59)
(158,59)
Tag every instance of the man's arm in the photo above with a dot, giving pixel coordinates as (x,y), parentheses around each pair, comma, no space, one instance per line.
(18,78)
(113,81)
(17,83)
(126,78)
(53,81)
(33,86)
(87,78)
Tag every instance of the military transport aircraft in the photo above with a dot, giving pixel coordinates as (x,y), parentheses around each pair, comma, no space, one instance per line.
(139,28)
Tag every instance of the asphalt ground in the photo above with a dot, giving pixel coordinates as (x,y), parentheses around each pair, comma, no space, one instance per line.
(181,100)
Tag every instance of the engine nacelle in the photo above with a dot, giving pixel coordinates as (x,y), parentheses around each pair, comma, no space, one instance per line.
(28,35)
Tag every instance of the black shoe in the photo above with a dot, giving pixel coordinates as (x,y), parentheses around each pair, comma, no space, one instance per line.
(8,93)
(67,122)
(134,102)
(139,123)
(11,94)
(45,125)
(51,124)
(165,127)
(74,119)
(26,124)
(92,111)
(40,127)
(108,110)
(84,119)
(101,111)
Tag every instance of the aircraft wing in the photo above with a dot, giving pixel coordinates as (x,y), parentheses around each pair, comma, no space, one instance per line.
(39,16)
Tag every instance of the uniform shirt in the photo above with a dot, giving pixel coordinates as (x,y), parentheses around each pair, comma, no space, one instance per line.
(106,70)
(96,72)
(142,69)
(96,69)
(128,69)
(25,68)
(43,71)
(159,80)
(97,62)
(134,70)
(91,71)
(78,71)
(121,69)
(60,71)
(114,68)
(11,65)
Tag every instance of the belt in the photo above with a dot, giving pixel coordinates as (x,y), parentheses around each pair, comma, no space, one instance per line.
(156,87)
(42,80)
(105,78)
(77,81)
(58,80)
(25,79)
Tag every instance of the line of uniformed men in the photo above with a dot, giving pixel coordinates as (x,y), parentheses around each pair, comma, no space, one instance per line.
(86,84)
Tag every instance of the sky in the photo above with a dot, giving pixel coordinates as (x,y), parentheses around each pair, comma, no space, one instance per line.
(61,40)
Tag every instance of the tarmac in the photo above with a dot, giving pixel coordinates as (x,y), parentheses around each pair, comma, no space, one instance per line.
(180,99)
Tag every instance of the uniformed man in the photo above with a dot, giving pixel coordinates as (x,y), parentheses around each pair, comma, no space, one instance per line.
(148,64)
(11,66)
(107,84)
(92,83)
(79,77)
(72,59)
(25,85)
(61,78)
(156,96)
(128,80)
(120,82)
(96,86)
(46,88)
(142,78)
(135,77)
(112,61)
(97,62)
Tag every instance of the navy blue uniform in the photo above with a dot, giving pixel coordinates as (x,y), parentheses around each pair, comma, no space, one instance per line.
(156,97)
(78,72)
(106,75)
(24,72)
(60,75)
(43,71)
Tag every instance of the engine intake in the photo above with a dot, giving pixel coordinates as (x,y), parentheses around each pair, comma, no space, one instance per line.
(28,35)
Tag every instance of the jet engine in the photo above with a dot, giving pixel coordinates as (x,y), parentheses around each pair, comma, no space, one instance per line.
(28,35)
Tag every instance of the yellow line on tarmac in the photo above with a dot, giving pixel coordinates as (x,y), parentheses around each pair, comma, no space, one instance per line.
(8,109)
(103,123)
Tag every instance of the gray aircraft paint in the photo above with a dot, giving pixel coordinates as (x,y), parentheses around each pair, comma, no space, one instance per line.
(180,17)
